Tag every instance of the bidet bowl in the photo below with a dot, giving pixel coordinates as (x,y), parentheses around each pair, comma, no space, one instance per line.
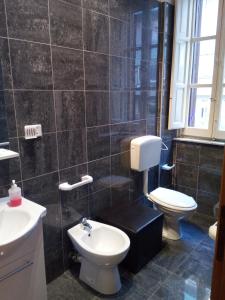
(106,245)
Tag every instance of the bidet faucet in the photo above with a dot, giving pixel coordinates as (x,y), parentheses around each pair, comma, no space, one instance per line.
(86,225)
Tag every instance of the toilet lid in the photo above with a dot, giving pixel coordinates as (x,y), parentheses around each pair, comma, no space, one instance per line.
(172,199)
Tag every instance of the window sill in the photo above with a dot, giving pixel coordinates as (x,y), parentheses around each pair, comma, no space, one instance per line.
(200,141)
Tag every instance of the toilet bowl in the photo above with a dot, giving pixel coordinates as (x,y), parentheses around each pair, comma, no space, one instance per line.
(101,251)
(175,206)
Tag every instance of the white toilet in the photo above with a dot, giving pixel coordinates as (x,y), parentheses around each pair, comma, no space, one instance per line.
(145,153)
(101,250)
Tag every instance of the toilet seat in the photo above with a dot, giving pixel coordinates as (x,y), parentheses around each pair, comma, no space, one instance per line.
(173,199)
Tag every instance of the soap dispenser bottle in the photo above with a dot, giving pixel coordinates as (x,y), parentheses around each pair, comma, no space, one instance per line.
(15,198)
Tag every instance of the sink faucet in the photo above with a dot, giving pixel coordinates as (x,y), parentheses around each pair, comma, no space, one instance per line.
(86,225)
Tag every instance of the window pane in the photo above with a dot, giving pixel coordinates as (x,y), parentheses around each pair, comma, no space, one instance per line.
(199,110)
(181,53)
(206,17)
(222,112)
(203,62)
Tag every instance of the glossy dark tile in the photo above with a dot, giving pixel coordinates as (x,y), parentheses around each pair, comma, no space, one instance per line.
(119,38)
(5,73)
(54,262)
(97,5)
(70,110)
(138,128)
(188,153)
(96,32)
(7,113)
(211,157)
(74,2)
(35,61)
(209,180)
(119,9)
(38,156)
(3,31)
(66,24)
(98,142)
(100,170)
(119,73)
(72,148)
(96,71)
(120,138)
(99,201)
(120,106)
(186,175)
(68,71)
(28,20)
(97,108)
(206,203)
(35,108)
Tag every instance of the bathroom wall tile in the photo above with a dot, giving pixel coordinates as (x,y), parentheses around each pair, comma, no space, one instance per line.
(72,148)
(188,191)
(151,125)
(99,201)
(67,69)
(38,156)
(70,110)
(3,31)
(209,180)
(97,108)
(44,191)
(35,107)
(120,166)
(54,262)
(6,98)
(186,175)
(206,203)
(119,73)
(119,9)
(96,32)
(28,20)
(98,142)
(211,157)
(66,24)
(6,79)
(187,153)
(73,175)
(120,106)
(74,2)
(100,171)
(10,168)
(96,71)
(35,61)
(138,128)
(120,138)
(119,38)
(97,5)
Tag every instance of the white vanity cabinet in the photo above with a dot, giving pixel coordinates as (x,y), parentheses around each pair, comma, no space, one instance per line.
(22,268)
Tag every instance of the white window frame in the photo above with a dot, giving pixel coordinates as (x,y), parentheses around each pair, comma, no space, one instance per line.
(212,131)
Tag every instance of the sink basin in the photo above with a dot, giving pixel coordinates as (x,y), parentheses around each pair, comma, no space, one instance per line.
(16,222)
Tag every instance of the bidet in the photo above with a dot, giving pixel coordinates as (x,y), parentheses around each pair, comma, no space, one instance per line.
(101,252)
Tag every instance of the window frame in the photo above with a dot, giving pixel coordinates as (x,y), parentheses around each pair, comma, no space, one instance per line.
(217,78)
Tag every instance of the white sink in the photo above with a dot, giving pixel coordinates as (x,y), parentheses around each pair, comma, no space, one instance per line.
(16,222)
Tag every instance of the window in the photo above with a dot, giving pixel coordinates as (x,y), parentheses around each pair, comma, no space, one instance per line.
(197,94)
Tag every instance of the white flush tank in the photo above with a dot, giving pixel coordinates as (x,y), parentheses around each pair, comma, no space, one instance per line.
(145,152)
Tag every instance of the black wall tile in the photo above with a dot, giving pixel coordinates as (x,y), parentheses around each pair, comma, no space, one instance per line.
(211,157)
(120,138)
(119,73)
(7,112)
(96,71)
(66,24)
(96,32)
(70,110)
(100,171)
(186,175)
(188,153)
(99,201)
(119,9)
(72,148)
(209,180)
(98,142)
(38,156)
(120,106)
(28,20)
(5,72)
(3,31)
(97,108)
(67,69)
(119,38)
(35,107)
(35,61)
(97,5)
